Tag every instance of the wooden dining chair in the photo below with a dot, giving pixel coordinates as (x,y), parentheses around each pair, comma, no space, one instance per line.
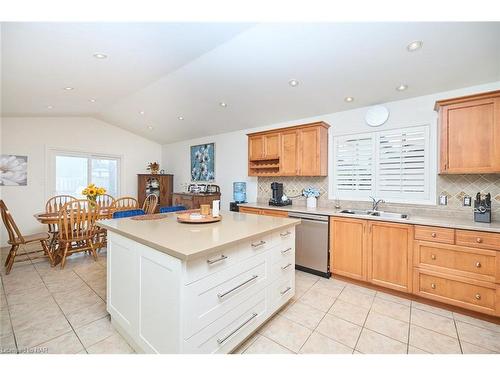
(77,228)
(54,205)
(150,203)
(106,202)
(16,239)
(125,204)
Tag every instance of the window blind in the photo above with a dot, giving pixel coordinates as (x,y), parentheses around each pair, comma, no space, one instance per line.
(401,166)
(354,163)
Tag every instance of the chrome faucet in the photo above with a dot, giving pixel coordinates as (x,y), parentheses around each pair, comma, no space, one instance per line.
(375,203)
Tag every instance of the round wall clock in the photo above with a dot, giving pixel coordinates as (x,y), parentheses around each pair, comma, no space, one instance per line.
(377,115)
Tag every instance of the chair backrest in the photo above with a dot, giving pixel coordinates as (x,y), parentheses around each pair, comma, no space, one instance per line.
(125,203)
(105,201)
(128,213)
(164,210)
(150,203)
(55,203)
(15,235)
(77,220)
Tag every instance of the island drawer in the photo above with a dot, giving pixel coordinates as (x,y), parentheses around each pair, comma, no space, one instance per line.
(434,234)
(455,290)
(465,261)
(483,240)
(284,265)
(215,261)
(281,291)
(224,334)
(208,299)
(258,245)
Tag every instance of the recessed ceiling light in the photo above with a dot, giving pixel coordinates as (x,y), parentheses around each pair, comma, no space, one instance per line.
(92,100)
(69,88)
(414,46)
(100,56)
(293,82)
(180,118)
(348,99)
(150,127)
(141,112)
(223,104)
(402,87)
(49,107)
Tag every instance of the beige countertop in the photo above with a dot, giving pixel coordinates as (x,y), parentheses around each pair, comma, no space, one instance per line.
(189,241)
(448,222)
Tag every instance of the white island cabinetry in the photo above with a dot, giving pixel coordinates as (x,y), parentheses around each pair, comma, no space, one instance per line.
(204,304)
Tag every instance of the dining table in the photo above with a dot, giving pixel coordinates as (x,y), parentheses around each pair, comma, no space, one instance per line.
(52,219)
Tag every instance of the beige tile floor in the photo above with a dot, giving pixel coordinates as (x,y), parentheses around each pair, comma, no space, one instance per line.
(50,310)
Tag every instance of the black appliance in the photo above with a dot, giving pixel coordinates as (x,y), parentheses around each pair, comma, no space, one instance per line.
(233,206)
(482,208)
(277,198)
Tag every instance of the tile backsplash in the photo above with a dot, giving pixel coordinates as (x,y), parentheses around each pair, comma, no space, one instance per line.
(455,187)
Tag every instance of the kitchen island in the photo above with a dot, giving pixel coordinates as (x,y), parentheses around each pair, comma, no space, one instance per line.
(197,288)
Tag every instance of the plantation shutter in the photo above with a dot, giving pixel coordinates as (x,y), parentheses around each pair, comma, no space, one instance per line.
(354,165)
(402,163)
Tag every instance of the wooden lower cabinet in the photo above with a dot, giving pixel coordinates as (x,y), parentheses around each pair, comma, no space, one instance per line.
(348,247)
(263,211)
(460,291)
(389,255)
(193,201)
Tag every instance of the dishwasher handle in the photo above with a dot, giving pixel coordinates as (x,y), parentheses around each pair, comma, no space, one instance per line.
(309,217)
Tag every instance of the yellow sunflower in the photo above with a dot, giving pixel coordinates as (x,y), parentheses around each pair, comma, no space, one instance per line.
(92,191)
(101,191)
(85,191)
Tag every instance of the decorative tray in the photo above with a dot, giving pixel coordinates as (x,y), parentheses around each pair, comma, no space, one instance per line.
(185,217)
(150,217)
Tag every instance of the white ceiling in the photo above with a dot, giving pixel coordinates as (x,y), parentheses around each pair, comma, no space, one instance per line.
(171,70)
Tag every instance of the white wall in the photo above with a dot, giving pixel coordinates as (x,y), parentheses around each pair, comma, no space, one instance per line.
(35,136)
(231,148)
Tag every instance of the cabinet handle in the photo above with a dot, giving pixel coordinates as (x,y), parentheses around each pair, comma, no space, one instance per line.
(478,264)
(285,267)
(222,295)
(286,234)
(285,291)
(260,243)
(433,257)
(433,234)
(286,250)
(479,240)
(221,340)
(478,296)
(433,286)
(212,261)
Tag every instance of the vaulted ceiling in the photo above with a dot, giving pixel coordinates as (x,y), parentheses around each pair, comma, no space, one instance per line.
(166,81)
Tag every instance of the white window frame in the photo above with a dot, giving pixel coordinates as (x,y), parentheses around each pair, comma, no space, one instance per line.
(51,166)
(430,175)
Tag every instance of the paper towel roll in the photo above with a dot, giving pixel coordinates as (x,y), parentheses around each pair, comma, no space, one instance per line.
(215,208)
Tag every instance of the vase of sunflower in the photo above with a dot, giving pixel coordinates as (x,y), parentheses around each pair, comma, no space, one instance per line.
(92,192)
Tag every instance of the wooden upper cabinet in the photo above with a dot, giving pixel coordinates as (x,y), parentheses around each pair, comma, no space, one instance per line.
(470,134)
(294,151)
(348,247)
(289,153)
(389,252)
(256,147)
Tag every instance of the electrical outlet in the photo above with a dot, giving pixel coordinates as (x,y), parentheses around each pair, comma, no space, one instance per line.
(467,201)
(443,200)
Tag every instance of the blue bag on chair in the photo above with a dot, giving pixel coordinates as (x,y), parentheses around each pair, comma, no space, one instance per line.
(164,210)
(128,213)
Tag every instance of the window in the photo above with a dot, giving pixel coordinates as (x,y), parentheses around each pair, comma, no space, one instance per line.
(71,172)
(393,165)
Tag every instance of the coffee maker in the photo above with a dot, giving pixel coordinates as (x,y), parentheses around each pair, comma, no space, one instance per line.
(278,198)
(482,208)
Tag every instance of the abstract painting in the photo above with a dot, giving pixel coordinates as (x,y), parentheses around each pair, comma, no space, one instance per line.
(13,170)
(203,162)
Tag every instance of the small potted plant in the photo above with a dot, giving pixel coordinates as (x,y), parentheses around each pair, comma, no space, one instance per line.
(153,167)
(311,195)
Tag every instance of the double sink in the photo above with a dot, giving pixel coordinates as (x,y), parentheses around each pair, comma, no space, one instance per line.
(389,215)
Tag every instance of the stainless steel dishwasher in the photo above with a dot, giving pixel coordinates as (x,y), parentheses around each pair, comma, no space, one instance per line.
(311,244)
